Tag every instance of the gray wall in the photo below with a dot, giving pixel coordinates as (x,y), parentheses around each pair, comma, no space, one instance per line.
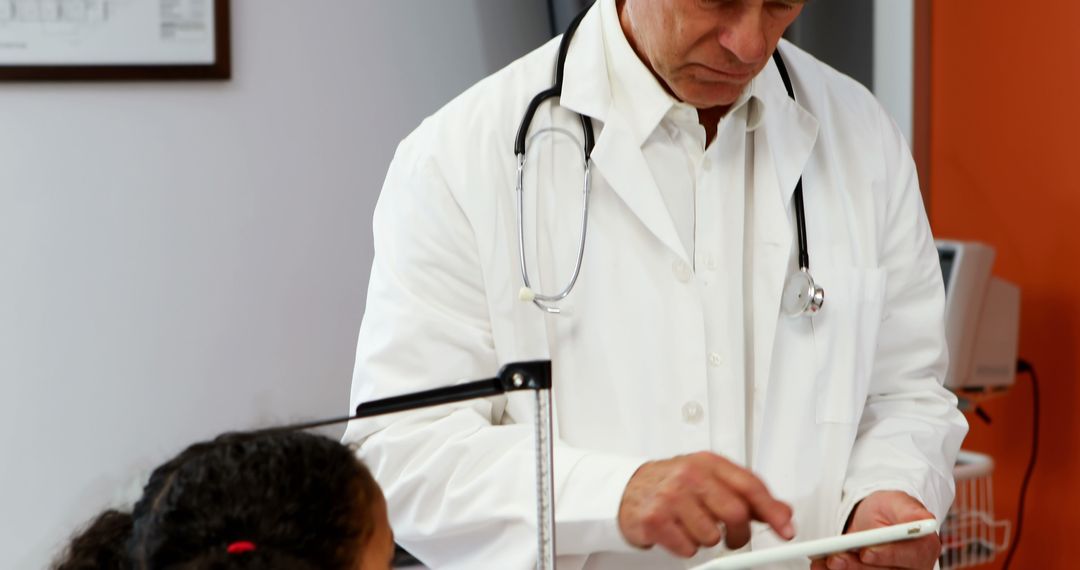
(894,60)
(563,11)
(181,259)
(840,33)
(872,42)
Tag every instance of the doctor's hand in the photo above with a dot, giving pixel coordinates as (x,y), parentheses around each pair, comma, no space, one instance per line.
(693,501)
(885,508)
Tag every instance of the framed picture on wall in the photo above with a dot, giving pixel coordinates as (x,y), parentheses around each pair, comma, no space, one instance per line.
(114,39)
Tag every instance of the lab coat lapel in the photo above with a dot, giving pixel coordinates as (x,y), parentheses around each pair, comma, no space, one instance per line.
(622,164)
(782,147)
(617,157)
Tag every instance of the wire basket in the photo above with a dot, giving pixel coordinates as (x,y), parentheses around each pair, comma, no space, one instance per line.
(970,535)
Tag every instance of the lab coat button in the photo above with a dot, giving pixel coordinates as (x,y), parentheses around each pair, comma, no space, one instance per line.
(710,262)
(715,359)
(692,412)
(681,270)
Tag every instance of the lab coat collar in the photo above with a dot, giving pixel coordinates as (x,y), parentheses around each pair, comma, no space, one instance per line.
(586,89)
(790,131)
(591,70)
(636,93)
(606,72)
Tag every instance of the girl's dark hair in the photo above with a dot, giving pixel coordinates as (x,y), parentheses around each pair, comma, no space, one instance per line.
(100,546)
(302,500)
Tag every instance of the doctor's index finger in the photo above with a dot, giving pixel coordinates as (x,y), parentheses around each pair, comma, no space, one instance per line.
(763,506)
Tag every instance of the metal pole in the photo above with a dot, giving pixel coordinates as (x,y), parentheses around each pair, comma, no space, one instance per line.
(545,483)
(532,375)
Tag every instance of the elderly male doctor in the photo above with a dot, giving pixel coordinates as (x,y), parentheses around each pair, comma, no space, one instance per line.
(693,417)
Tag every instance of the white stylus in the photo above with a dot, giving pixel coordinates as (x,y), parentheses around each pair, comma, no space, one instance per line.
(824,546)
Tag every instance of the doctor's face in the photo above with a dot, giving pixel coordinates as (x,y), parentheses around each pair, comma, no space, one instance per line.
(705,52)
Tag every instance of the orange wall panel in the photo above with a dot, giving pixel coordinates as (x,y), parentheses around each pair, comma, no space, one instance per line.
(1004,154)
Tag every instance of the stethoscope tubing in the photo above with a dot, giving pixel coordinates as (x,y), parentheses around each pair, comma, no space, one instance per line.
(806,299)
(527,293)
(541,300)
(800,211)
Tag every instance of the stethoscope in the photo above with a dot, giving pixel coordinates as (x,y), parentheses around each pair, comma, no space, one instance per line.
(802,296)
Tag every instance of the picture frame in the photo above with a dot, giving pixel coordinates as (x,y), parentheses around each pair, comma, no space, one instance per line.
(114,40)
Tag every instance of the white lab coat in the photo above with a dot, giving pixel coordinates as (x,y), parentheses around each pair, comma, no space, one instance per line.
(843,404)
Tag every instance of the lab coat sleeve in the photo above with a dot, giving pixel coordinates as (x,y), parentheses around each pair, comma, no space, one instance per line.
(459,479)
(911,429)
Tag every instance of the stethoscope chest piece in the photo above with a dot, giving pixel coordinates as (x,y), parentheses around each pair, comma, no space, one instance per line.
(801,295)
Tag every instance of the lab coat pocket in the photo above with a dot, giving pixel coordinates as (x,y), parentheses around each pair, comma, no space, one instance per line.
(845,338)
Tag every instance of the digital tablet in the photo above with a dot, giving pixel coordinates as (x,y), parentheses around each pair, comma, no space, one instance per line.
(823,546)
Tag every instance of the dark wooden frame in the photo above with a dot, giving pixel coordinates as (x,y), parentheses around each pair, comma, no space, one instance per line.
(220,69)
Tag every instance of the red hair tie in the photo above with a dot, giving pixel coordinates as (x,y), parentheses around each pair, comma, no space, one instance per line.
(240,547)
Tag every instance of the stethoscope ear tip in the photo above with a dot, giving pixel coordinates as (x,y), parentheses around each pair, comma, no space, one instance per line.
(526,294)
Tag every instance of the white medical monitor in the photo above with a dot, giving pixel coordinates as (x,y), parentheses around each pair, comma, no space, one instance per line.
(982,319)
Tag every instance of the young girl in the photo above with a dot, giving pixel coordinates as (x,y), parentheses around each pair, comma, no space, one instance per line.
(258,500)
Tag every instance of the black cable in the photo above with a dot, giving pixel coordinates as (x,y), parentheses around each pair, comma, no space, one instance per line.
(1021,367)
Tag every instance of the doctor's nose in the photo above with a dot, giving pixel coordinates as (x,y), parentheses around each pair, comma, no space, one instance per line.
(744,35)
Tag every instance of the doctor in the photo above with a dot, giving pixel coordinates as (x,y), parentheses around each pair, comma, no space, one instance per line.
(687,403)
